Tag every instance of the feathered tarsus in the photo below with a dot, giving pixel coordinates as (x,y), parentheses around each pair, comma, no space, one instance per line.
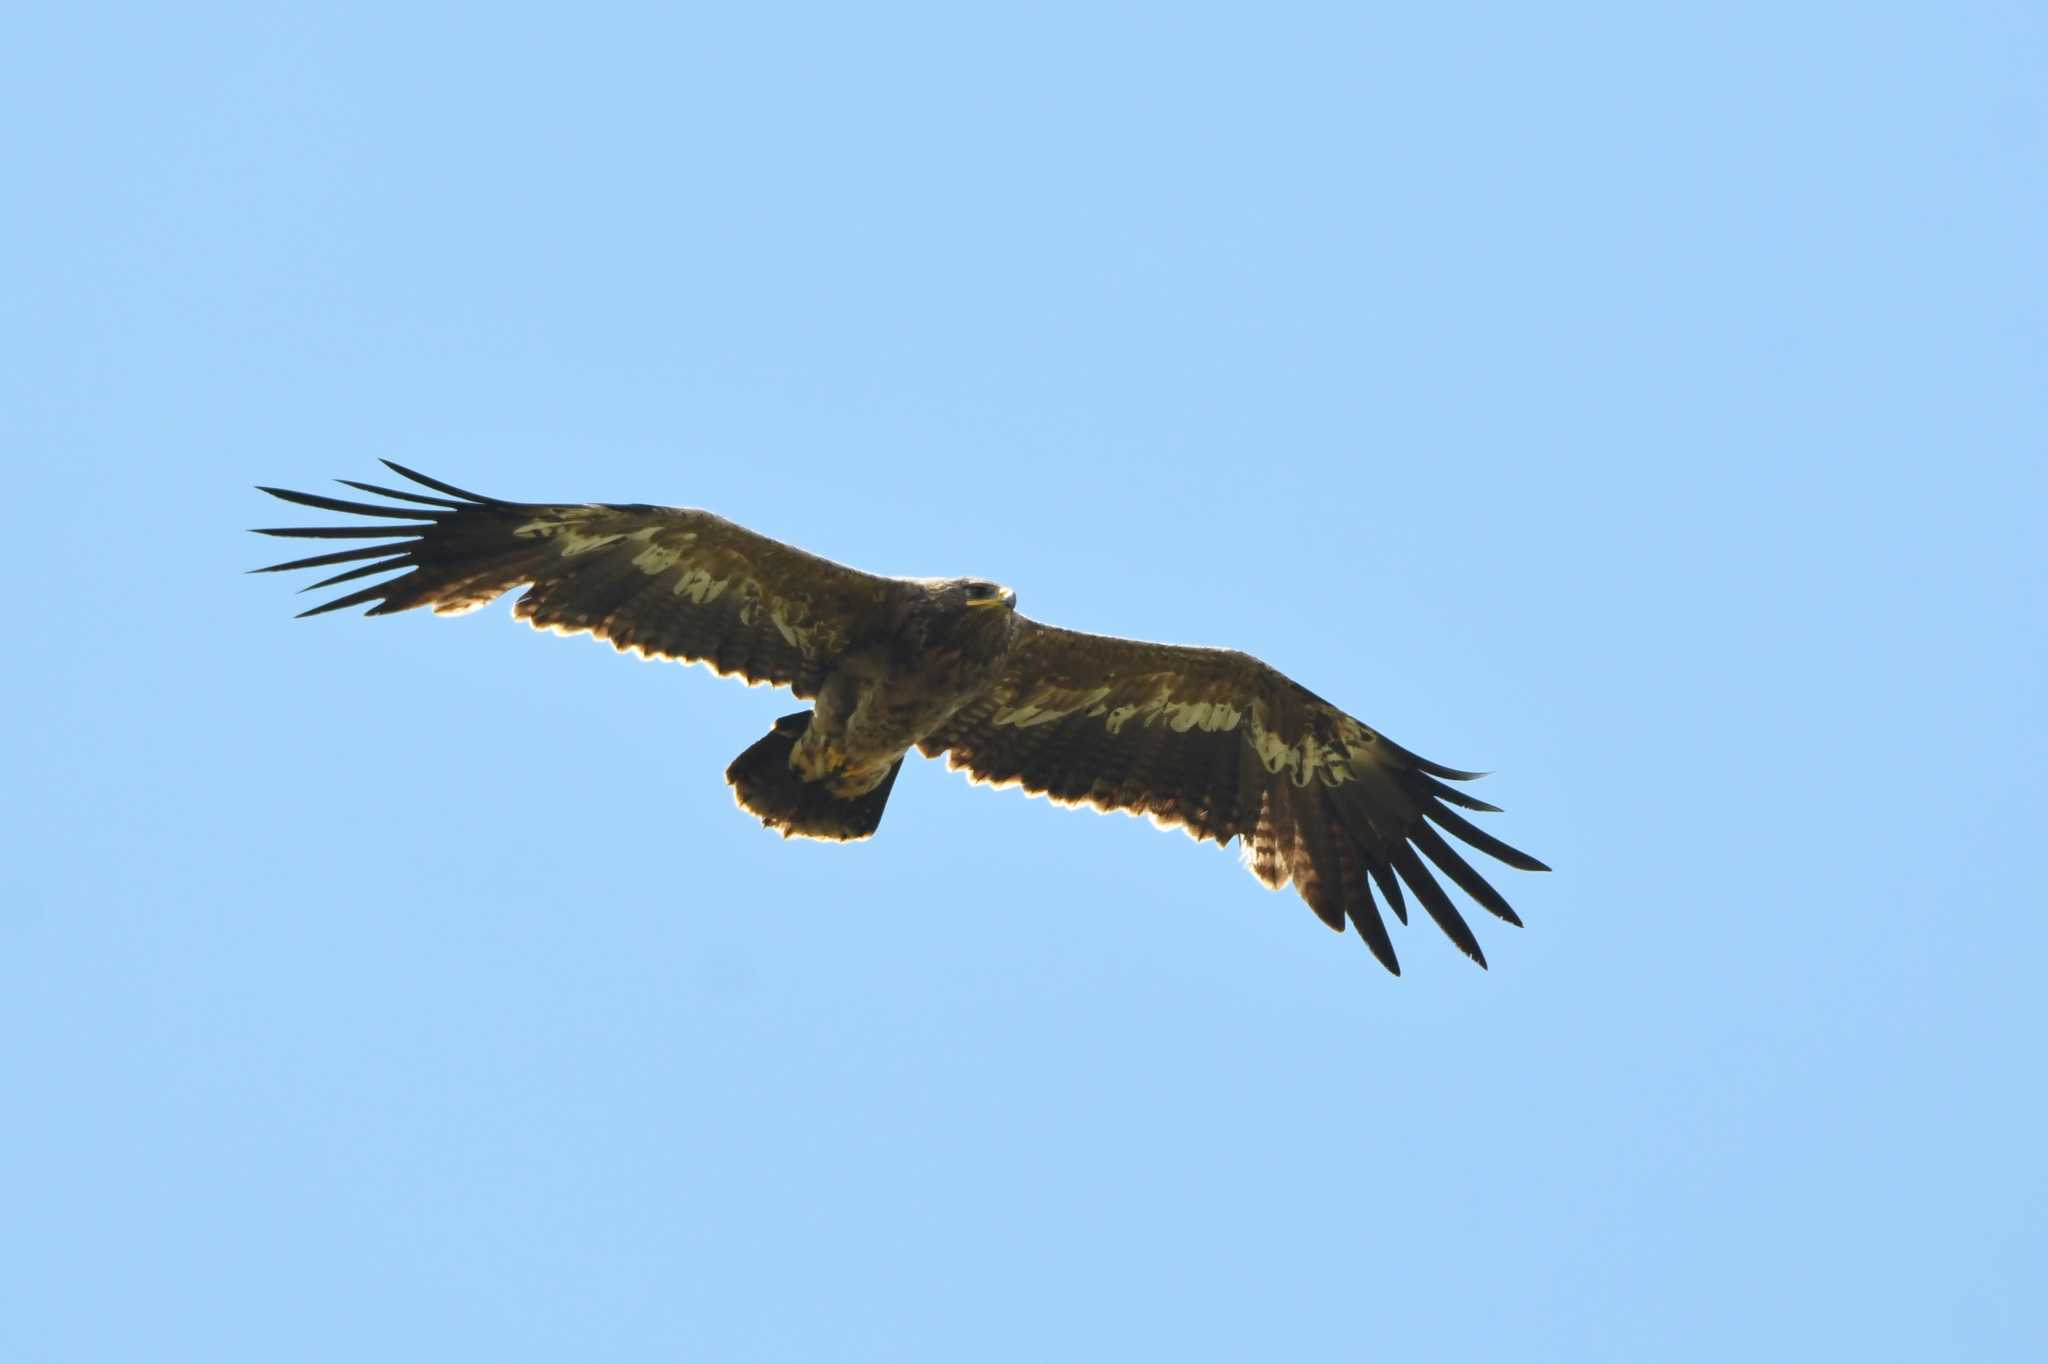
(1210,740)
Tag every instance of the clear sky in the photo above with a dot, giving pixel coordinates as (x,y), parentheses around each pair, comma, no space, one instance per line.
(1643,403)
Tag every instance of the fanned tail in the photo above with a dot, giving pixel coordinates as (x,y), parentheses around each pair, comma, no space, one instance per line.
(767,786)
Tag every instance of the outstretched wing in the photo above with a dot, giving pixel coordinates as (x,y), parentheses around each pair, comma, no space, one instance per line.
(668,582)
(1220,744)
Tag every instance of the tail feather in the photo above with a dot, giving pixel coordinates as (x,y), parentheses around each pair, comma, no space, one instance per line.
(766,785)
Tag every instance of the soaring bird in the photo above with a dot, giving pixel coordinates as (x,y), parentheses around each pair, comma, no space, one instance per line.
(1209,740)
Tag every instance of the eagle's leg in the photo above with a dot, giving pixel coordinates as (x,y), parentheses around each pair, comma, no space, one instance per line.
(767,782)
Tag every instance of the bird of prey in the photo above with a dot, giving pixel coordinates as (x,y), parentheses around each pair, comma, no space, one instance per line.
(1209,740)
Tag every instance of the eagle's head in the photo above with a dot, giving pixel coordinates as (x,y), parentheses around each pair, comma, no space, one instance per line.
(982,592)
(974,605)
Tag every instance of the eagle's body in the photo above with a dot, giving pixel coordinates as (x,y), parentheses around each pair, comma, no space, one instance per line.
(1211,740)
(942,649)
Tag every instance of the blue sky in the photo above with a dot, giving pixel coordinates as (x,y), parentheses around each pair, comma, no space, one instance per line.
(1642,403)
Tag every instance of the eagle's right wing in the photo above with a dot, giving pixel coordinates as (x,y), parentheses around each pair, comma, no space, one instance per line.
(1225,746)
(669,582)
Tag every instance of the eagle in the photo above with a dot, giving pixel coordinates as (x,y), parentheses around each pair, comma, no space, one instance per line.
(1212,741)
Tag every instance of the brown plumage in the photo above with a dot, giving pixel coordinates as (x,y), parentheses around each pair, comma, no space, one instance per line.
(1209,740)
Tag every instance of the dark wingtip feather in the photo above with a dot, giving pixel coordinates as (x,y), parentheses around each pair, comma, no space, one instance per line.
(366,571)
(1459,870)
(375,592)
(1452,794)
(1383,876)
(1436,901)
(338,532)
(404,496)
(324,503)
(1422,764)
(1384,957)
(1365,917)
(340,556)
(437,485)
(1474,836)
(1449,773)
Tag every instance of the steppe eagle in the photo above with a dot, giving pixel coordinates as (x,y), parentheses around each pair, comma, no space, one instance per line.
(1209,740)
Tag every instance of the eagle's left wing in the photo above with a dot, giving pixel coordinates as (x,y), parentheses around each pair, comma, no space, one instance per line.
(669,582)
(1219,743)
